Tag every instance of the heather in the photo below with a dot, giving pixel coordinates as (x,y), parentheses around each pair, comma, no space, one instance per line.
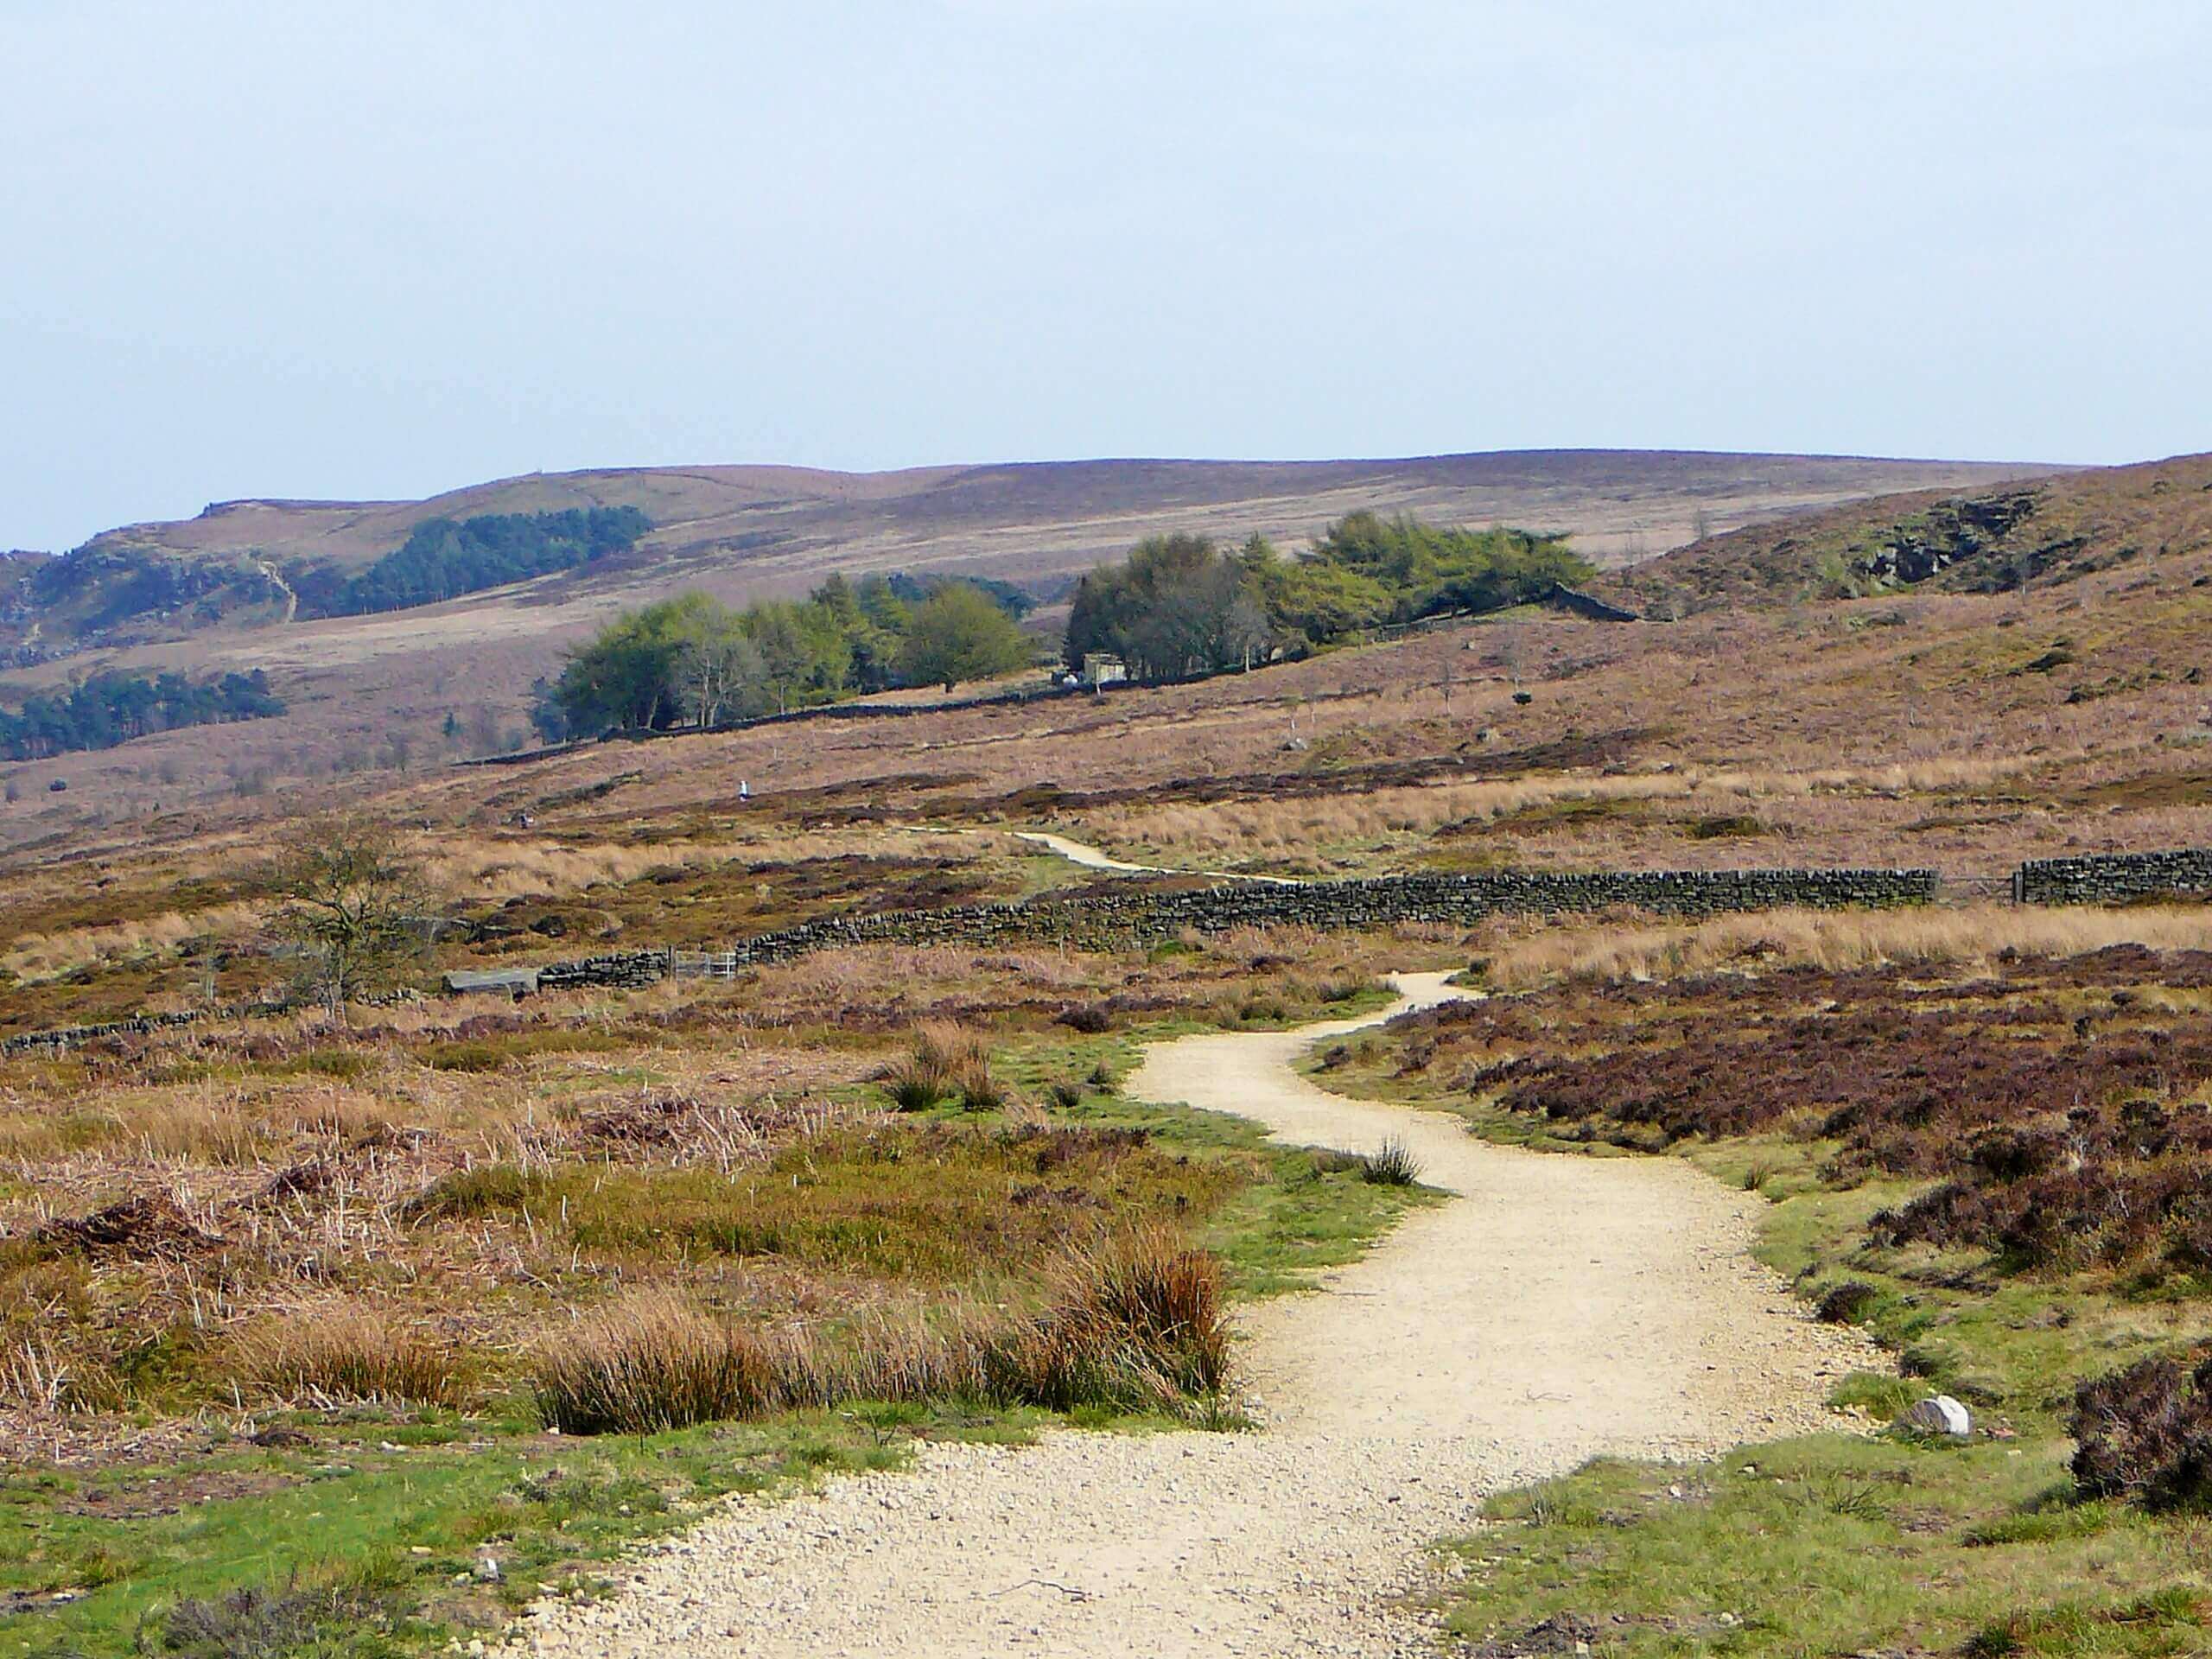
(2054,1113)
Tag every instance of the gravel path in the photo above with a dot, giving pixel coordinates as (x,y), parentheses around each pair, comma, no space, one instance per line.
(1095,858)
(1562,1306)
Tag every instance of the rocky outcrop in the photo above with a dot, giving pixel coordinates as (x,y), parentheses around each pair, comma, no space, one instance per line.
(1575,602)
(1950,533)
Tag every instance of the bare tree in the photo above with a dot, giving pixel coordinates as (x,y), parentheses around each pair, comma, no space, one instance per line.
(353,902)
(483,736)
(715,670)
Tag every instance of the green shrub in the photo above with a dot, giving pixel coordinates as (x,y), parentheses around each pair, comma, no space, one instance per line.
(472,1057)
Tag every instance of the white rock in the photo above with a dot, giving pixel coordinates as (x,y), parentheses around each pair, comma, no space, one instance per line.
(1940,1415)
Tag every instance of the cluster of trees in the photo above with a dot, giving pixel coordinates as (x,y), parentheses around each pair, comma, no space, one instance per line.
(1182,606)
(1179,606)
(693,660)
(114,707)
(442,558)
(912,590)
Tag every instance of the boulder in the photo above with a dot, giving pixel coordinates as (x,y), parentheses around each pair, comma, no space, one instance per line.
(1939,1414)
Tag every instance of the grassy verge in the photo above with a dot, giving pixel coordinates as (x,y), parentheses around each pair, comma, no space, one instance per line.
(1846,1543)
(365,1534)
(1294,1214)
(367,1528)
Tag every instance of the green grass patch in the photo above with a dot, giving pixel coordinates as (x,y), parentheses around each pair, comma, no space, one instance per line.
(1846,1543)
(1833,1545)
(394,1540)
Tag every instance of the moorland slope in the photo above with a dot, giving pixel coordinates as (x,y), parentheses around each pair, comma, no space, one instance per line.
(220,591)
(2022,534)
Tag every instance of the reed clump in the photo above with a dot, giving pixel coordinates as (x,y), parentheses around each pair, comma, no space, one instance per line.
(1132,1322)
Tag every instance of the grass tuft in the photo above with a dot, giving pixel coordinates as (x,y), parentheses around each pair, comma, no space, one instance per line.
(1392,1164)
(651,1362)
(948,1062)
(352,1353)
(1133,1324)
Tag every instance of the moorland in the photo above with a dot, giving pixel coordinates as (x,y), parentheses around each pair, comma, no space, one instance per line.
(301,590)
(297,1298)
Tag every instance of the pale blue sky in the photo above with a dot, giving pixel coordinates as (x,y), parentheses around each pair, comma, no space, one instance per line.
(328,250)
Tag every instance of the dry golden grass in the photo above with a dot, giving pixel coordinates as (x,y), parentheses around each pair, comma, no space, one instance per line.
(1967,935)
(337,1352)
(45,955)
(1316,832)
(185,1190)
(652,1360)
(1134,1322)
(41,1377)
(948,1062)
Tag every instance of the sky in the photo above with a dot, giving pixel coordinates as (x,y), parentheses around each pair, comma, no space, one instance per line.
(314,249)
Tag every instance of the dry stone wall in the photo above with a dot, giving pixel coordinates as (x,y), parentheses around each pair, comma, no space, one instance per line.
(2105,878)
(1140,916)
(139,1025)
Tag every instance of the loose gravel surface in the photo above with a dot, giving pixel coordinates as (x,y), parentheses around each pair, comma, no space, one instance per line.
(1557,1308)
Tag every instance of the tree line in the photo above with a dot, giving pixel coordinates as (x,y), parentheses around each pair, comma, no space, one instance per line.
(114,707)
(444,558)
(1180,606)
(694,661)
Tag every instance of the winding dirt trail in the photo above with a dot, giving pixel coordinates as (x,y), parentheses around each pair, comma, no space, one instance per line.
(1557,1308)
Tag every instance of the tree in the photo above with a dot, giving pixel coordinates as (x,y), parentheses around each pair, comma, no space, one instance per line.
(442,557)
(110,708)
(802,656)
(960,633)
(1425,569)
(548,717)
(624,677)
(1179,606)
(872,620)
(717,671)
(1312,597)
(352,908)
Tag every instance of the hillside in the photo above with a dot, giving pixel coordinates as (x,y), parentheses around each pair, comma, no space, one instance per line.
(2036,533)
(210,595)
(735,529)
